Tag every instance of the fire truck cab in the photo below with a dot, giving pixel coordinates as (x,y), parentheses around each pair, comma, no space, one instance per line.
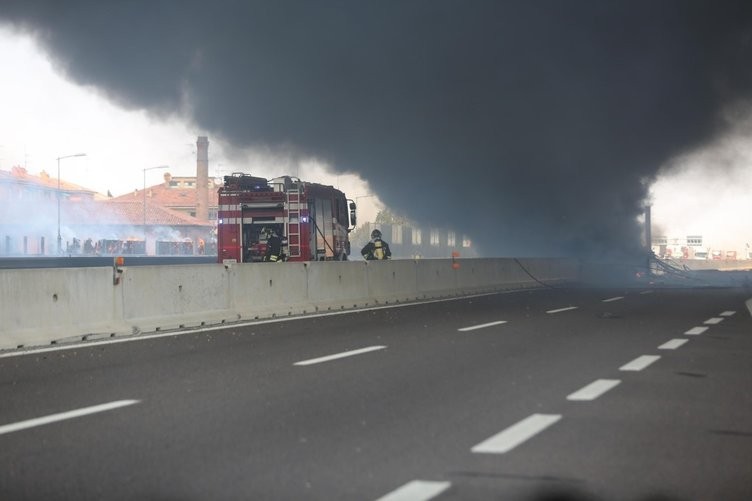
(313,220)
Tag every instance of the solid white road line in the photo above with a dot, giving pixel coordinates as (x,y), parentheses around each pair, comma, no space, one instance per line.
(639,363)
(713,321)
(727,314)
(673,344)
(52,418)
(339,355)
(594,389)
(563,309)
(417,490)
(516,434)
(695,331)
(481,326)
(617,298)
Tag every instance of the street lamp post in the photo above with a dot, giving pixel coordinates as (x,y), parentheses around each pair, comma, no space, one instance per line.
(59,237)
(362,196)
(144,209)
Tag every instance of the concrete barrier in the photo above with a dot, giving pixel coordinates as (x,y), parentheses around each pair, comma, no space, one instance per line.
(337,285)
(436,278)
(39,306)
(269,290)
(392,281)
(480,275)
(174,297)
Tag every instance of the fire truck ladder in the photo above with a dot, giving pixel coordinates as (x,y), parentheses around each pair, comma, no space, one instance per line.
(293,221)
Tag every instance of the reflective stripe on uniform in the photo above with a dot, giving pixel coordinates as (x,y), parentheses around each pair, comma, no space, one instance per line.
(378,251)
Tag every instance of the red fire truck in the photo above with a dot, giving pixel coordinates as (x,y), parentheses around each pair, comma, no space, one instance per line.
(312,219)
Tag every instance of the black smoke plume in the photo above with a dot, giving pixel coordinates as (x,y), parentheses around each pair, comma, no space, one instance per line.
(533,126)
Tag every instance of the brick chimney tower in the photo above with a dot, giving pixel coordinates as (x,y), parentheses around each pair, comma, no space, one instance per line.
(202,178)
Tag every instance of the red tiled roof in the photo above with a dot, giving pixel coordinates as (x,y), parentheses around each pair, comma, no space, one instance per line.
(43,180)
(78,204)
(96,212)
(132,212)
(169,197)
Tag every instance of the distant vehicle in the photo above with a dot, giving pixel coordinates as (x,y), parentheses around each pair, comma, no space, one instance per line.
(313,220)
(730,255)
(701,255)
(717,255)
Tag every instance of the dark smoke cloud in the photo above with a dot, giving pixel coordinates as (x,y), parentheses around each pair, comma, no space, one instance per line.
(530,125)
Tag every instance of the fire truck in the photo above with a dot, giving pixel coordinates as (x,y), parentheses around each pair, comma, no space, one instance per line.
(313,220)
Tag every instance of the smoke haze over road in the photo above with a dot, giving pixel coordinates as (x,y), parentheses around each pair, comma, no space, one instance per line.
(534,127)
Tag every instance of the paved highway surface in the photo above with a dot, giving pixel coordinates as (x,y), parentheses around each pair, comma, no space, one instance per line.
(621,394)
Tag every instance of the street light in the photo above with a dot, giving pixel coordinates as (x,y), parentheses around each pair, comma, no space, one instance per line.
(145,169)
(60,238)
(362,196)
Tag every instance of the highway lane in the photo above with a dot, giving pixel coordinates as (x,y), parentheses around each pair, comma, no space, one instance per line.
(501,396)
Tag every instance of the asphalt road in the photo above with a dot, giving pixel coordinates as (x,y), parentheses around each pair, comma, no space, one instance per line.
(549,394)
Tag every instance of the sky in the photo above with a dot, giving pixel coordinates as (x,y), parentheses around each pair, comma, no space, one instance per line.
(45,116)
(538,128)
(708,192)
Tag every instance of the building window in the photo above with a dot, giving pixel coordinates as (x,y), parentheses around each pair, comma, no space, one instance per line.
(435,238)
(451,239)
(417,236)
(397,234)
(212,214)
(466,241)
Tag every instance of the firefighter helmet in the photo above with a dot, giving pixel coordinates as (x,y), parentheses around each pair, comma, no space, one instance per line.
(376,234)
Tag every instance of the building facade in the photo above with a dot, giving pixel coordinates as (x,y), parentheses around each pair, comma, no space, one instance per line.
(41,216)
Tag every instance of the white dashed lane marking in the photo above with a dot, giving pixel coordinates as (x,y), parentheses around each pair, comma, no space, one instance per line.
(62,416)
(695,331)
(482,326)
(417,490)
(639,363)
(673,344)
(727,314)
(611,299)
(646,292)
(516,434)
(559,310)
(594,389)
(713,321)
(339,355)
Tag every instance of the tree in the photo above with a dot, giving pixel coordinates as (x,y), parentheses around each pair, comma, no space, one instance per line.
(386,217)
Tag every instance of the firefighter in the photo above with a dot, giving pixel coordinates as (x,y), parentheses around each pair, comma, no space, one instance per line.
(376,249)
(273,247)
